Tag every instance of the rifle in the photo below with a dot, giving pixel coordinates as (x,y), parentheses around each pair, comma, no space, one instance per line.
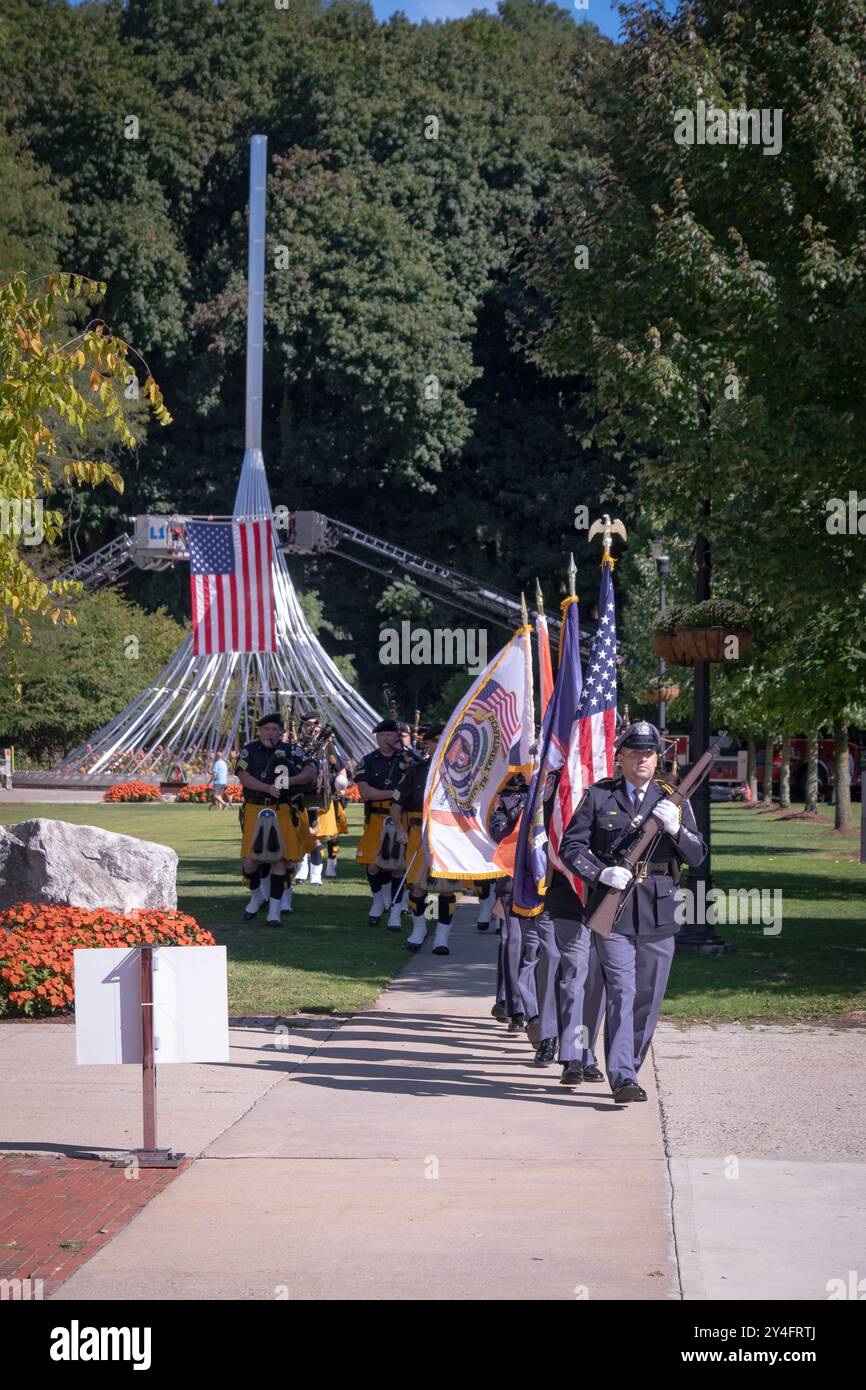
(644,830)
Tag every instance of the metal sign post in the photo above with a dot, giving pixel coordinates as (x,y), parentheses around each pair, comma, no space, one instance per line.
(149,1156)
(863,817)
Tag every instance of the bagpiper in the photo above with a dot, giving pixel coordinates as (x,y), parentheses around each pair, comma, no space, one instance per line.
(376,777)
(322,804)
(272,835)
(407,812)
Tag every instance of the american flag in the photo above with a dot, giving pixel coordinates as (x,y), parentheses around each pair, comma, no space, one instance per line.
(589,753)
(232,594)
(597,712)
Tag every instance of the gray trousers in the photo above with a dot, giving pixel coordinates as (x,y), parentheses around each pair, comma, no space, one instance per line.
(636,971)
(508,965)
(538,967)
(580,992)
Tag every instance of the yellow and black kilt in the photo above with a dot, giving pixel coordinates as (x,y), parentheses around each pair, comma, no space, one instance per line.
(418,871)
(294,828)
(332,822)
(368,848)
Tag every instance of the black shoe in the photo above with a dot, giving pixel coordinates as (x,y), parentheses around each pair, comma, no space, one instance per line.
(630,1091)
(592,1074)
(482,926)
(532,1031)
(374,921)
(572,1074)
(441,951)
(546,1052)
(516,1023)
(498,1011)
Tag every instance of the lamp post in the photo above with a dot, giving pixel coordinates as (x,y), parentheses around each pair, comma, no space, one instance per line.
(662,567)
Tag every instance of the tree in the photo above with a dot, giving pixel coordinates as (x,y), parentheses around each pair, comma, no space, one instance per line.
(76,679)
(43,381)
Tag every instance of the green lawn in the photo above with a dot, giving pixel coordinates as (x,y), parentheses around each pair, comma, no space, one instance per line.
(327,959)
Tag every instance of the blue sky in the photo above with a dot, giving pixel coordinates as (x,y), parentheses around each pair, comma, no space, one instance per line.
(603,13)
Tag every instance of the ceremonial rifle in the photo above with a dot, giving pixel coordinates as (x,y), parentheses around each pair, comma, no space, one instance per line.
(642,831)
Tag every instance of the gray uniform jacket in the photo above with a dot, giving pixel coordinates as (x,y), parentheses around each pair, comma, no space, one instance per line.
(600,818)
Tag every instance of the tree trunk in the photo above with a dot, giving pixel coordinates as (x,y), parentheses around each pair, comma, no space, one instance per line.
(752,768)
(812,772)
(785,773)
(769,750)
(840,775)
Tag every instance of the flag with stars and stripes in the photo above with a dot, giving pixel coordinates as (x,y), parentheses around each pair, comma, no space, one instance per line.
(590,748)
(597,712)
(232,591)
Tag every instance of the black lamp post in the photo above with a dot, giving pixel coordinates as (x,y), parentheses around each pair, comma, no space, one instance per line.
(662,567)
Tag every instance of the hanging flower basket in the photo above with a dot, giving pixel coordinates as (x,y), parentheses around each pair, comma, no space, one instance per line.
(654,695)
(702,632)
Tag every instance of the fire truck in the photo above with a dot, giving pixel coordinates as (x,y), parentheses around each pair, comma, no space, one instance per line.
(730,769)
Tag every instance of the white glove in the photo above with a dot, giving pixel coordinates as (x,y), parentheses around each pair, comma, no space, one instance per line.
(667,815)
(616,877)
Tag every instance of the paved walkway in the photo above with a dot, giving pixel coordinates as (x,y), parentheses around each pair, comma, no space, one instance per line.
(415,1153)
(767,1143)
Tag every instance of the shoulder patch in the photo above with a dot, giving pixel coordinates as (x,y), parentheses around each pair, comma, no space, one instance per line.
(665,786)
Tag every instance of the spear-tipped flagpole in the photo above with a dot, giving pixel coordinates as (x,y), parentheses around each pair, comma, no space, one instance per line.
(572,576)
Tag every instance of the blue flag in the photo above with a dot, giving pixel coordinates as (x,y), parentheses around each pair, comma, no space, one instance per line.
(530,859)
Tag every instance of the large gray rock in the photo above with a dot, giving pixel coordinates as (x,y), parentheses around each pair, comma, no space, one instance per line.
(51,861)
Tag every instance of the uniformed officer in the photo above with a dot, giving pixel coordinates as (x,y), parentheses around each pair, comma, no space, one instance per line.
(636,958)
(407,813)
(376,777)
(267,771)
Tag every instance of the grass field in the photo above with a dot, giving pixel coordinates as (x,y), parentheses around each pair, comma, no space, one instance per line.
(327,959)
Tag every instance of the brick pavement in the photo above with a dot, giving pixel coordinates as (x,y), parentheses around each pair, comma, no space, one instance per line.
(55,1212)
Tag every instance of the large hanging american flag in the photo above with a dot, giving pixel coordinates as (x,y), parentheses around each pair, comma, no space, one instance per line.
(232,593)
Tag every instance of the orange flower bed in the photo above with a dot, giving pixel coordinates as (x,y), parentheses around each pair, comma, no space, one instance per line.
(132,791)
(233,792)
(37,941)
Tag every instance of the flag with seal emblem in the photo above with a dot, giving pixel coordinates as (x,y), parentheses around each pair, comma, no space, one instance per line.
(486,740)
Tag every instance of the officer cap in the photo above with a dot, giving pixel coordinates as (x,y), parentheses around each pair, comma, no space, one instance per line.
(517,783)
(431,731)
(387,726)
(639,735)
(312,718)
(269,719)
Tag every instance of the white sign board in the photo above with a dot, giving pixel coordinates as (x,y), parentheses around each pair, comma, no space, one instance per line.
(190,997)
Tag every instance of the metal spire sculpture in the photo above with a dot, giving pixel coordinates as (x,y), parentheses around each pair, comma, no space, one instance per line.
(198,705)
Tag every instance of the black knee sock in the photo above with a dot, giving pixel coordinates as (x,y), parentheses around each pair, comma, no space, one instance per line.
(332,849)
(254,879)
(418,905)
(446,908)
(483,891)
(316,855)
(376,878)
(278,883)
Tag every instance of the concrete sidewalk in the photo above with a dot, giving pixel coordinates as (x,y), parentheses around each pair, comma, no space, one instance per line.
(416,1153)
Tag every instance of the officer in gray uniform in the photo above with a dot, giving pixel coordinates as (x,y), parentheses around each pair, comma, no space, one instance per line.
(636,958)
